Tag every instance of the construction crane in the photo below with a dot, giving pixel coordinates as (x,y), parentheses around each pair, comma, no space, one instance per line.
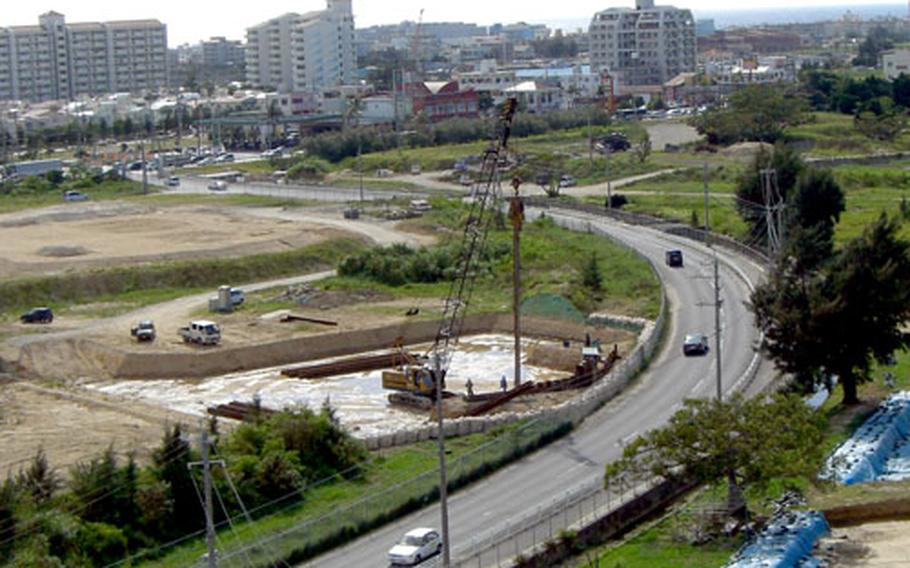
(485,192)
(421,382)
(415,50)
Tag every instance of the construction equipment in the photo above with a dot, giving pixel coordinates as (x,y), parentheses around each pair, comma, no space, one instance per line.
(420,377)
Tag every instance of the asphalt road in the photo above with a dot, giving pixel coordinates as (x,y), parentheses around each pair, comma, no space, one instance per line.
(199,185)
(647,403)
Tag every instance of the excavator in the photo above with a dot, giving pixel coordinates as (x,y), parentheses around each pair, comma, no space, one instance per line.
(415,380)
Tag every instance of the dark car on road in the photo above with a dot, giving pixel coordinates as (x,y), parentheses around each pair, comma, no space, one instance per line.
(674,258)
(695,344)
(37,315)
(613,142)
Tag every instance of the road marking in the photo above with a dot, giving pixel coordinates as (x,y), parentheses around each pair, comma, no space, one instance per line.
(625,441)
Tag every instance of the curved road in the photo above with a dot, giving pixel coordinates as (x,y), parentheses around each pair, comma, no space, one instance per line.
(648,402)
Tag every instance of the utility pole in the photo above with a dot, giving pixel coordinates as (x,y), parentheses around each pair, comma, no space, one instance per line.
(717,299)
(707,224)
(360,166)
(516,216)
(207,497)
(145,170)
(717,330)
(443,483)
(179,123)
(773,210)
(607,175)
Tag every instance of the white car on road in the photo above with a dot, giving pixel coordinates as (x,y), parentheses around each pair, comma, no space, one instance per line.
(415,546)
(218,185)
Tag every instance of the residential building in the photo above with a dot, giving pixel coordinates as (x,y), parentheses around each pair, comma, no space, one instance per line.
(222,52)
(895,62)
(536,97)
(647,45)
(441,100)
(59,61)
(575,81)
(704,27)
(303,52)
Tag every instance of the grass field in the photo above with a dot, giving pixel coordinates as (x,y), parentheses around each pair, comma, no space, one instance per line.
(105,191)
(136,286)
(552,260)
(833,134)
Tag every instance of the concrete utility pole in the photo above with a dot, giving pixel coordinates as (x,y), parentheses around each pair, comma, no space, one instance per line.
(443,483)
(207,497)
(607,175)
(707,224)
(717,329)
(516,216)
(145,169)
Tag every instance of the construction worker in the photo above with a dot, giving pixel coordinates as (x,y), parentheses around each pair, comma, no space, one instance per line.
(469,385)
(503,384)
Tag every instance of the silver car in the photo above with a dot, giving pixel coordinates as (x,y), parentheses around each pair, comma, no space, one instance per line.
(415,546)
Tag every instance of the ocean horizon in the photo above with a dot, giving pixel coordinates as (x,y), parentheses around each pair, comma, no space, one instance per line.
(758,16)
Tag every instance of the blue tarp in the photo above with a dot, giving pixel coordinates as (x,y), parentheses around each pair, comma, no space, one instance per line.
(786,542)
(878,449)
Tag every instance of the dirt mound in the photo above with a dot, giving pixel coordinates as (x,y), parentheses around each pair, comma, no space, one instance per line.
(62,251)
(746,149)
(311,297)
(69,359)
(561,359)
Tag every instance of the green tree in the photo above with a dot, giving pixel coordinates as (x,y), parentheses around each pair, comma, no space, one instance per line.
(39,479)
(879,119)
(900,89)
(170,466)
(9,499)
(817,205)
(865,304)
(877,40)
(591,275)
(842,316)
(743,442)
(643,149)
(757,113)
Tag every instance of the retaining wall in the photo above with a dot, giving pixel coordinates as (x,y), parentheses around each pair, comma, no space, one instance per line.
(115,363)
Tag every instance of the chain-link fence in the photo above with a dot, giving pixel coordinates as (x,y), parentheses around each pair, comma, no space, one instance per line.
(308,537)
(549,522)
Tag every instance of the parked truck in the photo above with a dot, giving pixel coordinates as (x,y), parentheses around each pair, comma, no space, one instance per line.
(201,332)
(144,331)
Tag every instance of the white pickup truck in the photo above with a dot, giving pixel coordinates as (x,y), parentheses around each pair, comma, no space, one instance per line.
(202,332)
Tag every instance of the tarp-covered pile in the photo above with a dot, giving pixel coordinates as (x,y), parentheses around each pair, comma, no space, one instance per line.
(879,449)
(787,541)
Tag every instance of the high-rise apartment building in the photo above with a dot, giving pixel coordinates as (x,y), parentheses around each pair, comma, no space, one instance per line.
(647,45)
(56,60)
(303,52)
(222,52)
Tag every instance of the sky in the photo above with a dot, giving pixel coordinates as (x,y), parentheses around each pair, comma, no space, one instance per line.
(190,22)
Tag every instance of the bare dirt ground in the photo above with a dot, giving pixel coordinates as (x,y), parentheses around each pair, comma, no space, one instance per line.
(104,234)
(71,427)
(872,545)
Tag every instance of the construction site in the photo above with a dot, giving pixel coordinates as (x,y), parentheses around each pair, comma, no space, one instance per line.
(384,363)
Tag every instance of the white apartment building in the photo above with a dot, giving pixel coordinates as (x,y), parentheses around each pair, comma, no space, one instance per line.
(294,53)
(894,62)
(55,60)
(648,45)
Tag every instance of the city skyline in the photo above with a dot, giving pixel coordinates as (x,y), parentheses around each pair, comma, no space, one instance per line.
(191,23)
